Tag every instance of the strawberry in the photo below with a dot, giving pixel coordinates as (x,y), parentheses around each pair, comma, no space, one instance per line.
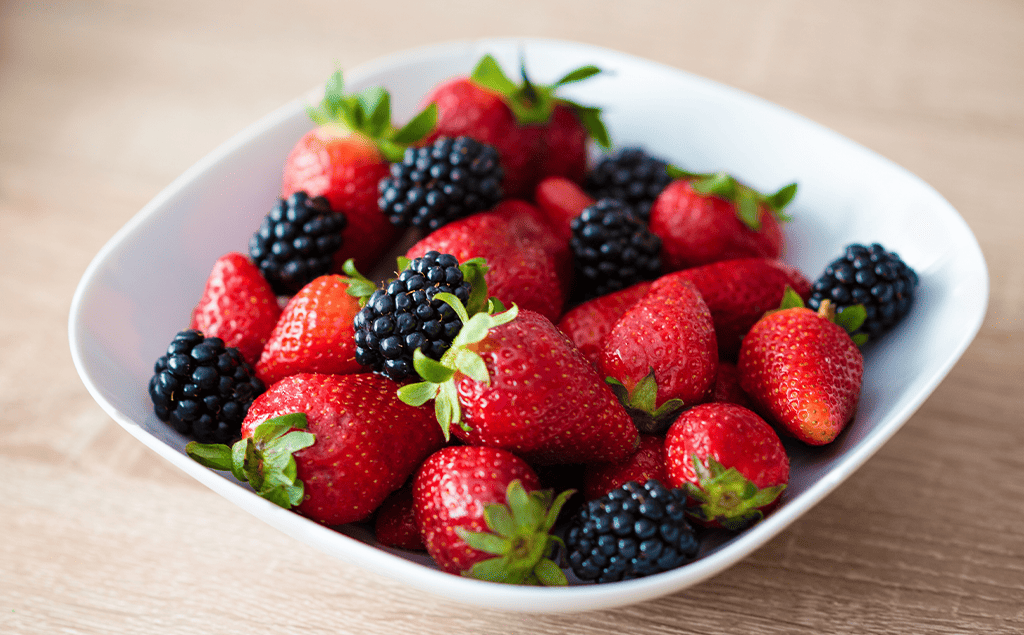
(561,200)
(727,386)
(529,225)
(512,380)
(803,370)
(730,461)
(703,218)
(646,463)
(237,306)
(345,156)
(535,132)
(589,323)
(661,355)
(482,514)
(314,333)
(332,447)
(739,291)
(395,523)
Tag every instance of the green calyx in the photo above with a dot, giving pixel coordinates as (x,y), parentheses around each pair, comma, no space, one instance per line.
(368,112)
(748,201)
(850,318)
(359,286)
(727,497)
(641,404)
(265,460)
(519,538)
(534,103)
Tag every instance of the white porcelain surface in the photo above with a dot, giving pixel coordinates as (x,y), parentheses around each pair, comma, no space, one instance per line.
(141,286)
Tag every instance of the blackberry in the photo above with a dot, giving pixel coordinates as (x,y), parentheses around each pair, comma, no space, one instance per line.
(202,388)
(871,276)
(405,316)
(447,180)
(296,241)
(631,176)
(612,249)
(633,531)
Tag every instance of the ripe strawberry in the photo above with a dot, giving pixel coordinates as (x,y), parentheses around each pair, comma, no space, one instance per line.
(729,460)
(739,291)
(314,333)
(803,370)
(512,380)
(588,324)
(529,225)
(395,524)
(535,132)
(646,463)
(482,514)
(345,157)
(704,218)
(662,354)
(331,446)
(727,386)
(561,200)
(237,306)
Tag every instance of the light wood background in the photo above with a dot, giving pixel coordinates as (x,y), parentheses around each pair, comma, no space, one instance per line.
(103,103)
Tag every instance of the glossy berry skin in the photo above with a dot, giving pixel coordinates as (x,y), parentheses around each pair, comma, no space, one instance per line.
(588,324)
(237,305)
(395,522)
(629,175)
(564,144)
(561,200)
(727,386)
(367,441)
(451,489)
(545,402)
(697,229)
(803,372)
(646,463)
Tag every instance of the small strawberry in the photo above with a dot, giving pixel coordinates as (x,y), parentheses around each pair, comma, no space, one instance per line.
(729,460)
(803,370)
(727,386)
(346,156)
(314,333)
(561,200)
(661,355)
(395,523)
(482,514)
(646,463)
(588,324)
(331,446)
(237,306)
(703,218)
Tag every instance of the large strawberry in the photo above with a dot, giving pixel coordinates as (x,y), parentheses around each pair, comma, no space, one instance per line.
(332,447)
(589,323)
(482,514)
(646,463)
(730,461)
(512,380)
(662,353)
(237,306)
(344,158)
(803,370)
(703,218)
(535,132)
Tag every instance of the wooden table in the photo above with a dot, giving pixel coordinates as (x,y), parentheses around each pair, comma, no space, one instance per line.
(103,103)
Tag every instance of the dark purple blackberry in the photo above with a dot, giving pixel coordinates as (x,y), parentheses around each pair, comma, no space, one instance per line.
(296,241)
(444,181)
(405,316)
(631,176)
(202,388)
(612,249)
(871,276)
(633,531)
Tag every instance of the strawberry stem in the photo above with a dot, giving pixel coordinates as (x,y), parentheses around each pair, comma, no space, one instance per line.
(748,201)
(726,497)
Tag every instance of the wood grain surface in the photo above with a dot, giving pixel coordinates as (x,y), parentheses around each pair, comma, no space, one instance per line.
(103,103)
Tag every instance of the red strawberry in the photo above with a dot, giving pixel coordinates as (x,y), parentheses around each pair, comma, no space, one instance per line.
(738,292)
(314,333)
(588,324)
(704,218)
(345,157)
(529,224)
(646,463)
(481,513)
(331,446)
(561,200)
(512,380)
(728,459)
(727,386)
(662,353)
(237,306)
(395,524)
(803,370)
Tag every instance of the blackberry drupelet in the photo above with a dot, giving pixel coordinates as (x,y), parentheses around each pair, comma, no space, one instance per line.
(871,276)
(447,180)
(633,531)
(612,249)
(202,388)
(405,316)
(631,176)
(296,241)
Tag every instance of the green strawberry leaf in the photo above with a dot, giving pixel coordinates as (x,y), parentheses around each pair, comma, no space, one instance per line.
(790,299)
(489,74)
(590,117)
(852,318)
(747,200)
(726,497)
(780,199)
(641,402)
(359,286)
(578,75)
(418,127)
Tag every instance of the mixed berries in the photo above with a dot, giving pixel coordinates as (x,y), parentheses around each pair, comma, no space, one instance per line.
(577,370)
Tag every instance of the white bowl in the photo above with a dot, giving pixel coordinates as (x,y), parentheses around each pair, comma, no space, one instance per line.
(138,291)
